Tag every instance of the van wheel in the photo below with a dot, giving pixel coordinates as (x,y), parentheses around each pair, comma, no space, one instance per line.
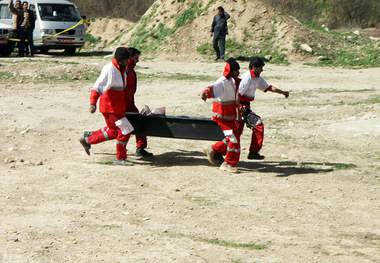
(70,51)
(44,50)
(6,51)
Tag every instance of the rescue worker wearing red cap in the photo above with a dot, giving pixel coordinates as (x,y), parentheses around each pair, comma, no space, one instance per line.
(110,88)
(225,111)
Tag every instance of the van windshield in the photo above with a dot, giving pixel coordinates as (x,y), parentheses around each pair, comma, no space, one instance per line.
(4,12)
(58,12)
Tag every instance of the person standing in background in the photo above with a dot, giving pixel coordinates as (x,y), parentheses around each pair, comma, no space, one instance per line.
(219,30)
(15,9)
(25,27)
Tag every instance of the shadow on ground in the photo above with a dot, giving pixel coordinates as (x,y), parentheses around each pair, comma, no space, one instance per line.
(196,158)
(285,168)
(59,53)
(93,53)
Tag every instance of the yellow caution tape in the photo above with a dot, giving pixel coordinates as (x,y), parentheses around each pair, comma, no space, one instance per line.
(79,23)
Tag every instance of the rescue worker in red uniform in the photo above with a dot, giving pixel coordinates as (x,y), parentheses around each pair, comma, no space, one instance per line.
(225,111)
(141,141)
(250,82)
(110,88)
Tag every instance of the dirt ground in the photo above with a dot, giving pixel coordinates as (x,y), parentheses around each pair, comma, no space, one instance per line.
(315,197)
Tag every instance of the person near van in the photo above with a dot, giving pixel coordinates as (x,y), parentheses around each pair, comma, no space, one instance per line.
(15,9)
(25,27)
(110,87)
(219,29)
(141,141)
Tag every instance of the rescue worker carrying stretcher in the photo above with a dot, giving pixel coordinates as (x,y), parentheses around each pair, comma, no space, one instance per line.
(141,141)
(110,87)
(250,82)
(225,111)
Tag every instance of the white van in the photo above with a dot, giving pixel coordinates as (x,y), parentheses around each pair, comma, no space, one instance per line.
(52,17)
(6,46)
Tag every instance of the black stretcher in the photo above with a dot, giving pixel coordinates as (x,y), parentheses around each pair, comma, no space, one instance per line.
(180,127)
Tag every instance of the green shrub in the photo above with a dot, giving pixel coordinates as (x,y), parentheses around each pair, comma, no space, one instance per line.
(205,49)
(90,39)
(185,17)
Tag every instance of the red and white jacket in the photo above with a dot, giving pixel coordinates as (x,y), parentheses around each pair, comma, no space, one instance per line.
(110,87)
(224,92)
(248,85)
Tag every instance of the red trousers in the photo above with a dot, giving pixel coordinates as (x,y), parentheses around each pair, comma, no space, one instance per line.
(111,132)
(230,149)
(257,136)
(141,141)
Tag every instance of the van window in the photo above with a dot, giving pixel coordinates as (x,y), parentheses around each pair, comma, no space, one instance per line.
(58,12)
(4,12)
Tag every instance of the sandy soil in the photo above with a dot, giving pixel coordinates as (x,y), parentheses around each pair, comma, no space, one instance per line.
(315,197)
(107,29)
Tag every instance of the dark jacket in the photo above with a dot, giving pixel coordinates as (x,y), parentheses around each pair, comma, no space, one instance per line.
(219,25)
(20,18)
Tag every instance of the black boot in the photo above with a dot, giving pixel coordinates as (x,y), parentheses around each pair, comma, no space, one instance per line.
(255,156)
(219,157)
(85,145)
(141,152)
(87,134)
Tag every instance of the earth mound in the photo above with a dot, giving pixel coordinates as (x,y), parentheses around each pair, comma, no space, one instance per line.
(176,29)
(179,30)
